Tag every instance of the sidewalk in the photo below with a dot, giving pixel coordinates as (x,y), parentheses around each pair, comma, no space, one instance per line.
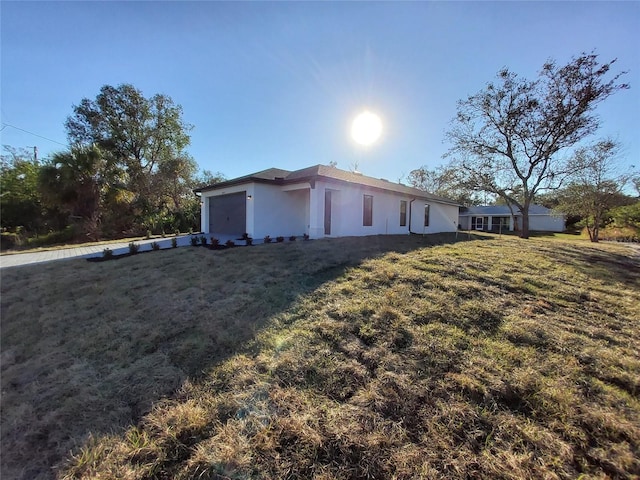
(19,259)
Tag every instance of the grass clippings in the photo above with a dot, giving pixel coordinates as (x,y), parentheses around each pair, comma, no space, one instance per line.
(379,357)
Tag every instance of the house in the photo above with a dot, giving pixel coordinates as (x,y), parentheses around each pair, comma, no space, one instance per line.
(498,218)
(321,201)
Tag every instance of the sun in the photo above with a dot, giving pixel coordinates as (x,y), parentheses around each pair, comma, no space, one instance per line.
(366,128)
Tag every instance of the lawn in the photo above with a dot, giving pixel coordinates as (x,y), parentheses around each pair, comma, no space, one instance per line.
(380,357)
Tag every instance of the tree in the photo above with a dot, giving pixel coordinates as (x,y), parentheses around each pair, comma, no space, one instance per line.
(75,181)
(20,202)
(444,182)
(145,138)
(508,139)
(594,189)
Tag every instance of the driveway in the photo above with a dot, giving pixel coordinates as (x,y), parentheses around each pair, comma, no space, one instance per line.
(19,259)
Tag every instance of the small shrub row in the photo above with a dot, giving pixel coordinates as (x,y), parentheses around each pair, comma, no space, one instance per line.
(280,239)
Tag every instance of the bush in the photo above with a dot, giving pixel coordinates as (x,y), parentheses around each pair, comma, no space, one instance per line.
(52,238)
(214,242)
(133,248)
(195,241)
(174,243)
(203,241)
(279,239)
(245,236)
(230,243)
(249,241)
(305,236)
(107,253)
(9,240)
(292,238)
(155,246)
(267,239)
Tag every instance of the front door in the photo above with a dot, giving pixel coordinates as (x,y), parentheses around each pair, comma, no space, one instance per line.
(327,212)
(479,223)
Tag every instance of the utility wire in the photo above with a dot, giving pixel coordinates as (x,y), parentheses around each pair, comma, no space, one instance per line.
(31,133)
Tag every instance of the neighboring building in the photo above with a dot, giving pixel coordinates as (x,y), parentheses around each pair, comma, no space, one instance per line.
(498,218)
(321,201)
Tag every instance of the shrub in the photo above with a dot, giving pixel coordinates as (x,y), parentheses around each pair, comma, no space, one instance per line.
(230,243)
(249,241)
(279,239)
(133,248)
(215,242)
(174,243)
(305,236)
(195,241)
(267,239)
(203,241)
(155,246)
(9,240)
(107,253)
(245,236)
(292,238)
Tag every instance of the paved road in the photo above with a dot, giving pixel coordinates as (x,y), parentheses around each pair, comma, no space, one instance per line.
(20,259)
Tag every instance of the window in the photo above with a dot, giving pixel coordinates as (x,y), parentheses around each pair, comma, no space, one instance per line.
(426,215)
(367,211)
(403,213)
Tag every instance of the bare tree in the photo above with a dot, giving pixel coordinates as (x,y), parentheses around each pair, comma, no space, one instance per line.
(510,139)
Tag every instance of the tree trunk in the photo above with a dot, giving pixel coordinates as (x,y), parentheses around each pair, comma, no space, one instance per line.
(524,233)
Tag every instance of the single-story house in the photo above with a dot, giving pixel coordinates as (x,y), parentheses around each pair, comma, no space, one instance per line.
(321,201)
(497,218)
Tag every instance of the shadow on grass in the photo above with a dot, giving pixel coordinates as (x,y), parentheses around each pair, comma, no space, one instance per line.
(604,265)
(87,349)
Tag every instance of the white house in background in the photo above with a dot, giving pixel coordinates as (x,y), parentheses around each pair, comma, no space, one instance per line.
(321,201)
(498,218)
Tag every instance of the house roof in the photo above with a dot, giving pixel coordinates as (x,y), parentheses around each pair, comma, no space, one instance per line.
(310,174)
(502,210)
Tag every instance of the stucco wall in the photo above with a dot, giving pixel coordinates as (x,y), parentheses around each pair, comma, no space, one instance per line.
(348,205)
(279,213)
(204,203)
(295,210)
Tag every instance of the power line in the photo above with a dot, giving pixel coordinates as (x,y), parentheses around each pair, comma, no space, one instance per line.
(31,133)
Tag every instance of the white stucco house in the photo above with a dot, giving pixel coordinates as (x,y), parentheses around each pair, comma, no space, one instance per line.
(321,201)
(496,218)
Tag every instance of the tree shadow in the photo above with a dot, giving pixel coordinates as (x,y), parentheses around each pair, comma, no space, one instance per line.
(604,265)
(88,348)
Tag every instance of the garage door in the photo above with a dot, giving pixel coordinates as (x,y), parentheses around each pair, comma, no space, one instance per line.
(228,214)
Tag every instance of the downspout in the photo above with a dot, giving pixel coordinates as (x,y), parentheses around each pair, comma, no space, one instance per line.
(410,216)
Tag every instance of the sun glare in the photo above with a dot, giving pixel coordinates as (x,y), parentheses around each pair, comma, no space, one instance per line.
(366,128)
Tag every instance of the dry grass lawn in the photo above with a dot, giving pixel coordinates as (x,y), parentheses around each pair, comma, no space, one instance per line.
(380,357)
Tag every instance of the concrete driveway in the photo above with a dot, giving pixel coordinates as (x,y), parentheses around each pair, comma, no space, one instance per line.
(19,259)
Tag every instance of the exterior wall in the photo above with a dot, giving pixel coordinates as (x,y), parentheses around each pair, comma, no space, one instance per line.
(546,223)
(541,223)
(279,213)
(293,210)
(204,204)
(347,208)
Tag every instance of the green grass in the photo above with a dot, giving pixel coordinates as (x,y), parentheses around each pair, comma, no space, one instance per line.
(396,357)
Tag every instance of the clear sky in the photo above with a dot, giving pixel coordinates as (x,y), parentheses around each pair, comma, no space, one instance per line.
(276,84)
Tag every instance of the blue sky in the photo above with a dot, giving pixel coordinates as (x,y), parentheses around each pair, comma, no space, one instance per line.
(276,84)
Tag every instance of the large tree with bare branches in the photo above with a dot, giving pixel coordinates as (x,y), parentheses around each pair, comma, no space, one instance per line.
(511,138)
